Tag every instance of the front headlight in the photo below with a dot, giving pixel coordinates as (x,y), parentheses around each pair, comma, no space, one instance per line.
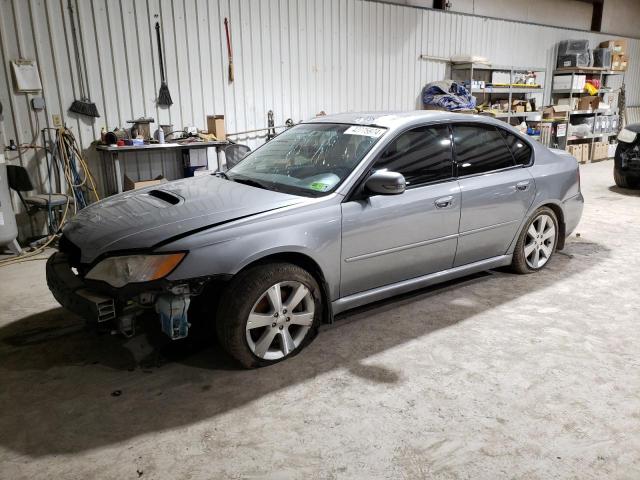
(119,271)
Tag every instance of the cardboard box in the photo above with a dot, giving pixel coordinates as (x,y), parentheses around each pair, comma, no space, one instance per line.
(580,152)
(585,152)
(215,125)
(589,102)
(519,106)
(617,47)
(601,150)
(131,185)
(556,111)
(563,82)
(619,63)
(575,151)
(572,102)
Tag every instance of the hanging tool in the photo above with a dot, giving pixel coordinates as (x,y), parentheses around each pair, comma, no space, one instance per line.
(229,52)
(271,131)
(164,97)
(84,106)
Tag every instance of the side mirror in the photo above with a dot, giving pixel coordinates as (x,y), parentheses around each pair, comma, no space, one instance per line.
(385,183)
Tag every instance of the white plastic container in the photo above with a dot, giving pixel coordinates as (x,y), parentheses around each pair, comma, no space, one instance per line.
(8,227)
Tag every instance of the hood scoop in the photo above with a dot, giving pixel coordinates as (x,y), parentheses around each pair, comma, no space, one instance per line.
(165,196)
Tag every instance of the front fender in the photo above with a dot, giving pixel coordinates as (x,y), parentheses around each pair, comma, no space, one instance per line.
(314,232)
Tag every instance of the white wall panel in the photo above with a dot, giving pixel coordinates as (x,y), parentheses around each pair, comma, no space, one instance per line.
(295,57)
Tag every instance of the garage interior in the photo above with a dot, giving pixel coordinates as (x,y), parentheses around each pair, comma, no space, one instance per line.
(493,375)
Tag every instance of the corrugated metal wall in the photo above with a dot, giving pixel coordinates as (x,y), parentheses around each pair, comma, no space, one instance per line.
(296,57)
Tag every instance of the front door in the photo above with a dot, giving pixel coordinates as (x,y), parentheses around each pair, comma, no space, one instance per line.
(496,190)
(390,238)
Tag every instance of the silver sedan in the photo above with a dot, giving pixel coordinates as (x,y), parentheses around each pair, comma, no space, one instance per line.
(332,214)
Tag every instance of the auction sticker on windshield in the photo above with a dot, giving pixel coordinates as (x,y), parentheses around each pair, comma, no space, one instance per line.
(365,131)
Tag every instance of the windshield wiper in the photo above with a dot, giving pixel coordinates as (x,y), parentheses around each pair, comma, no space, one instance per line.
(250,182)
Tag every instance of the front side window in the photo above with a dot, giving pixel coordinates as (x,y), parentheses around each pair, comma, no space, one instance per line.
(519,148)
(479,149)
(422,155)
(309,159)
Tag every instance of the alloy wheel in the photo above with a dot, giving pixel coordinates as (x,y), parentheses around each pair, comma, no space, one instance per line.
(540,241)
(280,320)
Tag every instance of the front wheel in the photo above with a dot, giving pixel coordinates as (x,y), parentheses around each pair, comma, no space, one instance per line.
(620,178)
(537,242)
(625,181)
(269,313)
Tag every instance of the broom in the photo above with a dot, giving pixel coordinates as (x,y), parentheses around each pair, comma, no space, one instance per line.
(84,106)
(164,97)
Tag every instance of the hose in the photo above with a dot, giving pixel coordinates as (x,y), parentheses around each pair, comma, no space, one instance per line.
(77,175)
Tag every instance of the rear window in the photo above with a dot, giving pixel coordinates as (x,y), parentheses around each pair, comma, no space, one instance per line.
(479,149)
(519,148)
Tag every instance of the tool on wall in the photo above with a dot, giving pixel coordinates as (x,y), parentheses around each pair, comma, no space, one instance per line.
(84,106)
(164,97)
(229,51)
(271,131)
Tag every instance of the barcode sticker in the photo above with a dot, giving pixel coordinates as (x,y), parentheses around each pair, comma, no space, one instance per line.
(365,131)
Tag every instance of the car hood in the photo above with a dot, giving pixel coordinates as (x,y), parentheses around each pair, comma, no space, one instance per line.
(143,218)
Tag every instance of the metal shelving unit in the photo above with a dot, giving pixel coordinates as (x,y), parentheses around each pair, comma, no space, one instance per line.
(459,73)
(601,72)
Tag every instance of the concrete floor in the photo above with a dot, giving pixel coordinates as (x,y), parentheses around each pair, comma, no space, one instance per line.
(494,376)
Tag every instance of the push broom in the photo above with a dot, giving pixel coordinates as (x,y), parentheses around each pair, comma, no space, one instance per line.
(164,97)
(84,106)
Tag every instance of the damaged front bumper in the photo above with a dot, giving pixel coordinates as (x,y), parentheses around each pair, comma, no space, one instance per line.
(102,305)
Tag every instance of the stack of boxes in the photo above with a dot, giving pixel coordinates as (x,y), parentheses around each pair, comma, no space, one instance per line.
(619,59)
(579,151)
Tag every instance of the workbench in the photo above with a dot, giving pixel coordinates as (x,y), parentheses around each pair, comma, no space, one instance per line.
(114,170)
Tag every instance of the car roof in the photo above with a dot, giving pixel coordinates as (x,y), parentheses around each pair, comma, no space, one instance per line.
(399,118)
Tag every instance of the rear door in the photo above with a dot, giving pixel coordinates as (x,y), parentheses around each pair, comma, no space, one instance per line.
(390,238)
(496,192)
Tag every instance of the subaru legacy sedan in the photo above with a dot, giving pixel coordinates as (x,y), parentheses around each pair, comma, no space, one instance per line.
(332,214)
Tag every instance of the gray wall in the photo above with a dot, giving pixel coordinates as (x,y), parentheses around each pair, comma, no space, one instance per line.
(564,13)
(621,17)
(296,57)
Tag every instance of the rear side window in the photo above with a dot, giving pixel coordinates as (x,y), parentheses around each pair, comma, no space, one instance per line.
(480,149)
(422,155)
(521,151)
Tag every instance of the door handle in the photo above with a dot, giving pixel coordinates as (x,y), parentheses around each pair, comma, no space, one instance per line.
(522,185)
(444,202)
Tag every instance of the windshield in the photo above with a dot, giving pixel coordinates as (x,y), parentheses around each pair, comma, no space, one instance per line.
(309,159)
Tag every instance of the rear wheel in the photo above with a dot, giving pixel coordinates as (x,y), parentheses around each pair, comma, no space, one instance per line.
(537,242)
(269,313)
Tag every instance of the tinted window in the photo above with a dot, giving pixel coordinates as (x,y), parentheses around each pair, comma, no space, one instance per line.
(422,155)
(480,148)
(521,151)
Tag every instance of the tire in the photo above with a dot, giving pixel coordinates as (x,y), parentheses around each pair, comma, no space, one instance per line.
(524,259)
(284,331)
(620,178)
